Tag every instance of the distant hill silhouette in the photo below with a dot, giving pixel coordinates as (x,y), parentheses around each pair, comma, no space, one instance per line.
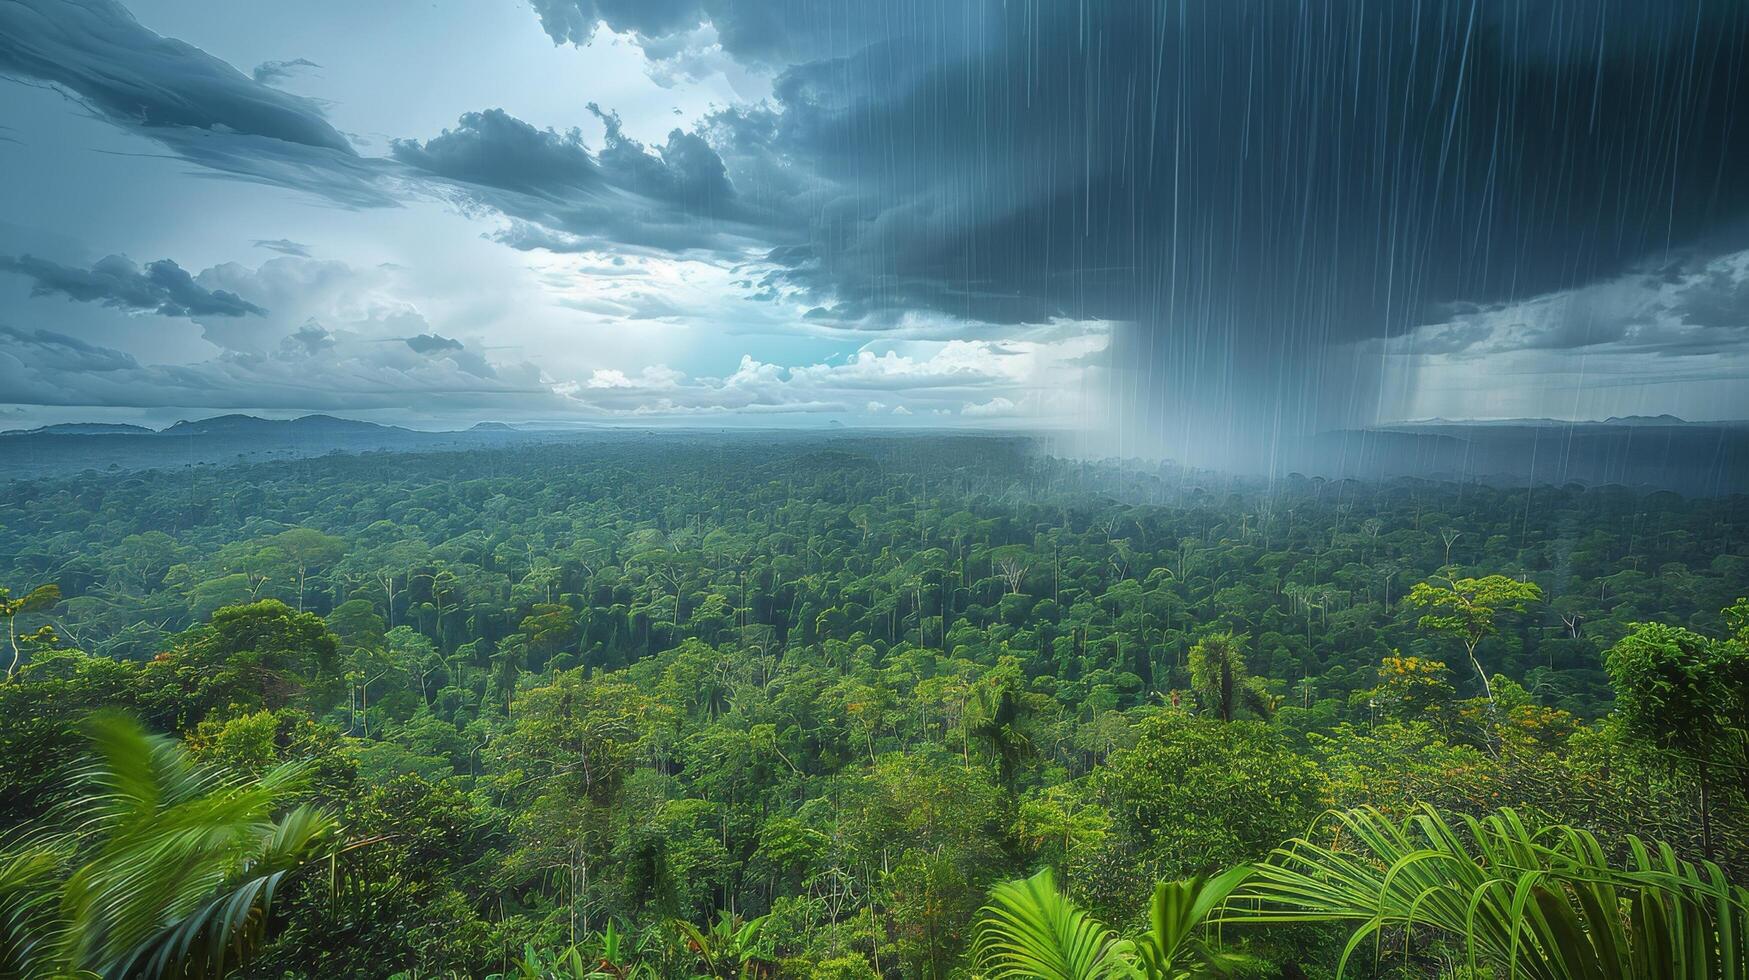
(1660,452)
(82,429)
(220,425)
(60,449)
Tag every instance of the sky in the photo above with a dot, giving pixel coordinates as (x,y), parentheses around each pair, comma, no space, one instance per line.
(1190,230)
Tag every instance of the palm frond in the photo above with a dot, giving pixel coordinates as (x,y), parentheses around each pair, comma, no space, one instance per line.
(1029,929)
(1540,903)
(32,933)
(176,866)
(226,926)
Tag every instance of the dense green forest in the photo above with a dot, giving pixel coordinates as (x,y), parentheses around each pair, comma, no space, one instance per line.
(735,706)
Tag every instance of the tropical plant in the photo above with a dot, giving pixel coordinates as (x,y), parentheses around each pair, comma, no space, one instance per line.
(616,955)
(39,599)
(1176,945)
(997,719)
(1222,685)
(169,870)
(1030,929)
(728,947)
(559,964)
(1541,903)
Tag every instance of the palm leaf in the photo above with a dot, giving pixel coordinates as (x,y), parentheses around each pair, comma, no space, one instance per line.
(1029,929)
(32,933)
(701,945)
(232,920)
(1177,917)
(166,869)
(1541,903)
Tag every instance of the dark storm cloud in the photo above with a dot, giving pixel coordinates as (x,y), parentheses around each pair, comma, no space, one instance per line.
(58,352)
(1686,307)
(270,72)
(673,197)
(563,197)
(1342,163)
(1254,185)
(161,287)
(95,49)
(773,32)
(687,172)
(495,149)
(208,112)
(199,107)
(430,343)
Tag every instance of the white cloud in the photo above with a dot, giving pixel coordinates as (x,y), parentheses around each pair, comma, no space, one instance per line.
(995,408)
(296,291)
(1034,375)
(608,378)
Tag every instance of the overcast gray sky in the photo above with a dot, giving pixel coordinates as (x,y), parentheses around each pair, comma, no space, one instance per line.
(1177,229)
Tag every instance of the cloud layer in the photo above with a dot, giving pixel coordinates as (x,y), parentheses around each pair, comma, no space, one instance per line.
(197,106)
(1258,203)
(162,287)
(355,374)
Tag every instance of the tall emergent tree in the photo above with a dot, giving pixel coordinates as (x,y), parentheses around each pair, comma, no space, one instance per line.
(1466,608)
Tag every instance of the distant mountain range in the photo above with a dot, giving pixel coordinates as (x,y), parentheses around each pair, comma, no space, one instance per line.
(1657,452)
(249,425)
(81,429)
(218,425)
(72,447)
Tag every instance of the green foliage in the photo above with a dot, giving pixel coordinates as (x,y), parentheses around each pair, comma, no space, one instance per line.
(729,947)
(1466,608)
(171,871)
(1030,929)
(847,687)
(1520,900)
(264,655)
(1196,794)
(1220,681)
(1176,945)
(45,707)
(1689,695)
(609,955)
(1682,690)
